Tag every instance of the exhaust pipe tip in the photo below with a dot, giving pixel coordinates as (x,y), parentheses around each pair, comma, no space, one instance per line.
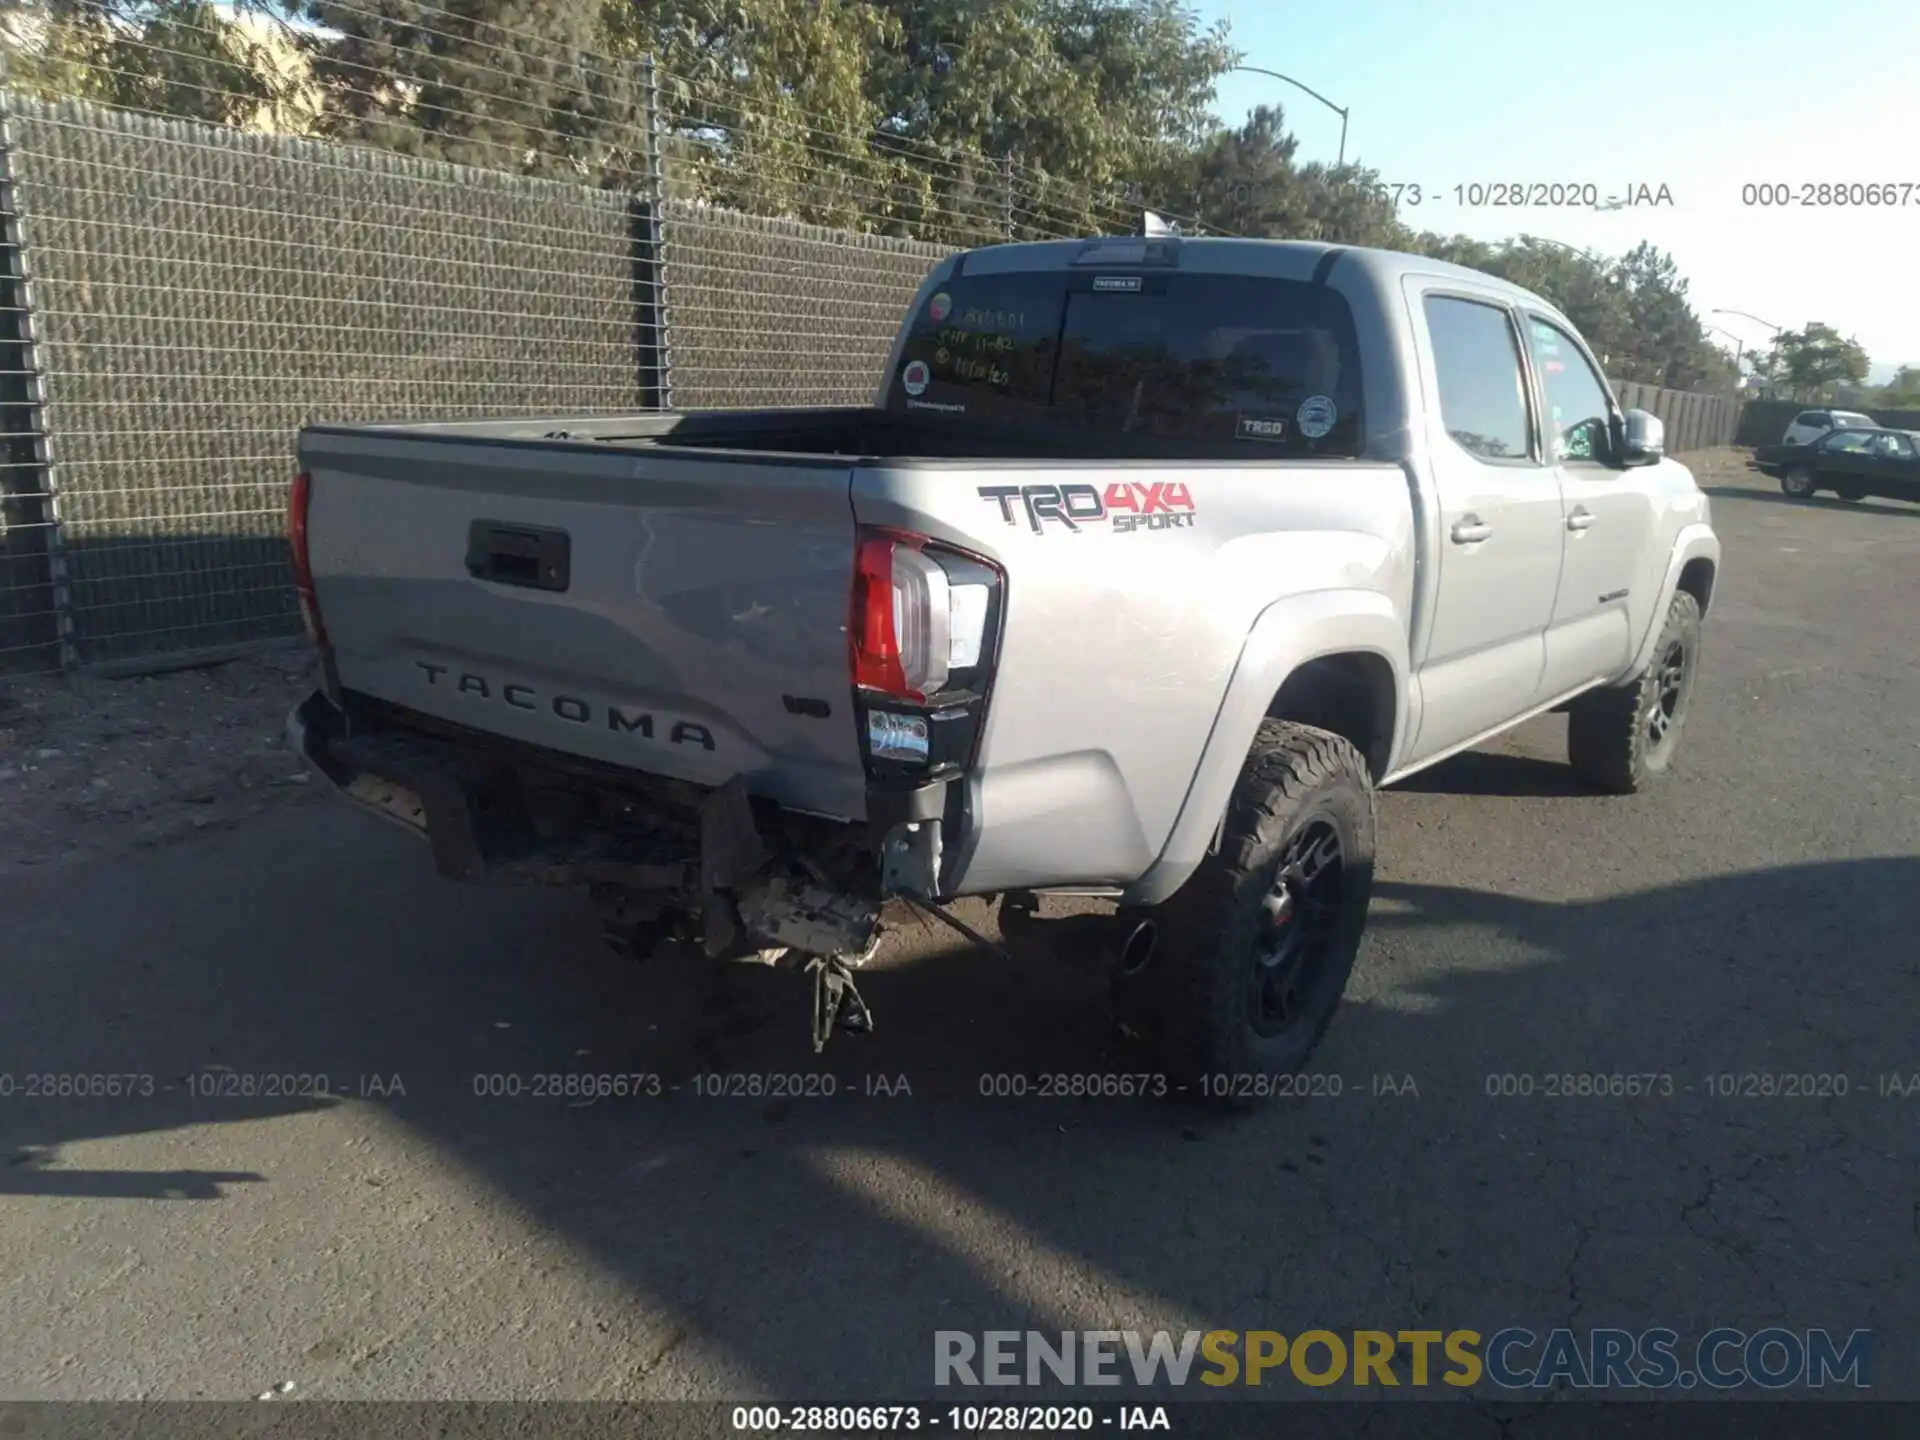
(1137,951)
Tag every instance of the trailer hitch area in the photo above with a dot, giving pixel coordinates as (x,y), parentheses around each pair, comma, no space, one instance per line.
(836,1000)
(753,895)
(836,933)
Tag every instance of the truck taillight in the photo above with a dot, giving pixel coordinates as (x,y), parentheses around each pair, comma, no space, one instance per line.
(921,640)
(900,615)
(916,626)
(297,505)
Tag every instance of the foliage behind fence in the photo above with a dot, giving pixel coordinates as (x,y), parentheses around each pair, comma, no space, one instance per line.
(182,297)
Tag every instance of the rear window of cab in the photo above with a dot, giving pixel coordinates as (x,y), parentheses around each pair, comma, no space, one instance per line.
(1206,364)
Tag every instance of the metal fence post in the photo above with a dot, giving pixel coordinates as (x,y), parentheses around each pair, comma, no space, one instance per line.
(656,240)
(27,442)
(1006,195)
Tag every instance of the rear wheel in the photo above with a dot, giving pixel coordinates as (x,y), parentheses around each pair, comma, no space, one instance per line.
(1256,948)
(1798,481)
(1624,737)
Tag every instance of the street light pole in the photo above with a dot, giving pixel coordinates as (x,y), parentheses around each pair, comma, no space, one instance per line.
(1339,110)
(1772,384)
(1739,348)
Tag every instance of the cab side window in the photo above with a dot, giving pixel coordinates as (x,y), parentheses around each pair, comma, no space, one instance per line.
(1578,408)
(1476,361)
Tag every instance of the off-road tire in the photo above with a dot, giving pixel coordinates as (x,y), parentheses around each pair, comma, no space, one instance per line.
(1613,740)
(1197,999)
(1799,482)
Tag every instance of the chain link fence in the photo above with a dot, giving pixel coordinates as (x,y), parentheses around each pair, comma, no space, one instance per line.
(178,297)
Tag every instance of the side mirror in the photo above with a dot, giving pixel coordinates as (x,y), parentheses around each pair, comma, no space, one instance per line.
(1643,439)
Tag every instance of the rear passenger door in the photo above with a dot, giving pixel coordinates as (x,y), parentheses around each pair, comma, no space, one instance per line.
(1500,518)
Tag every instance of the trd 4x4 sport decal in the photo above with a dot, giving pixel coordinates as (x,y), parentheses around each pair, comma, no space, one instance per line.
(1160,505)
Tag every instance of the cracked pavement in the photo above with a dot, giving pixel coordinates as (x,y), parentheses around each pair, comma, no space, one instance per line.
(1755,916)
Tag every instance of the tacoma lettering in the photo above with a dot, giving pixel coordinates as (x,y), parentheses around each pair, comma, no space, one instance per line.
(571,708)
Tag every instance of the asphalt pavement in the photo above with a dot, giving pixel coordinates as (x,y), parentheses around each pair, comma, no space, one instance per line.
(409,1235)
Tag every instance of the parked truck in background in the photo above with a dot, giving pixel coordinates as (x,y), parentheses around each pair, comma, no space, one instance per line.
(1151,561)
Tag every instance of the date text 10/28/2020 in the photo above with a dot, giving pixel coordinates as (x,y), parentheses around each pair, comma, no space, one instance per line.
(1521,194)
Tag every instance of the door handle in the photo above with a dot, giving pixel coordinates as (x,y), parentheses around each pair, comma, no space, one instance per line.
(1580,520)
(1469,530)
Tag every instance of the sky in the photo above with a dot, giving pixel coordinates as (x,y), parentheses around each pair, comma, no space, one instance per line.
(1701,96)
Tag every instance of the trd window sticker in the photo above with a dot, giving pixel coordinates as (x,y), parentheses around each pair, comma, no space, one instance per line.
(1123,508)
(1261,427)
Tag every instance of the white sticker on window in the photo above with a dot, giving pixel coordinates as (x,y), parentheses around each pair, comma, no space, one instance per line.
(914,378)
(1316,417)
(939,307)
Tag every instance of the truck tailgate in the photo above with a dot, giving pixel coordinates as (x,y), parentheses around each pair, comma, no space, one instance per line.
(683,615)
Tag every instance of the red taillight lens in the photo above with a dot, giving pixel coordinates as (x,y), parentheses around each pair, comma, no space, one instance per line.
(297,504)
(874,631)
(902,611)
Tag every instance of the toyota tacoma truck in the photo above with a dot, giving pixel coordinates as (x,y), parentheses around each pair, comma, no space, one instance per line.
(1150,562)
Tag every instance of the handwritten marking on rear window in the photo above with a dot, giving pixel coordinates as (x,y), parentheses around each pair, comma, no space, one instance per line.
(977,317)
(965,367)
(965,340)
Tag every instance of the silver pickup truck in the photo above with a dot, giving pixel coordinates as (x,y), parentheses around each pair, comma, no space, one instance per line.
(1152,559)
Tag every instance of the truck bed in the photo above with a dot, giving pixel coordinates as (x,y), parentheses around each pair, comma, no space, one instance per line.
(699,628)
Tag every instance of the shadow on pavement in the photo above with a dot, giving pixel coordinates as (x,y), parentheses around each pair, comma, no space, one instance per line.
(1875,505)
(1492,772)
(818,1241)
(22,1177)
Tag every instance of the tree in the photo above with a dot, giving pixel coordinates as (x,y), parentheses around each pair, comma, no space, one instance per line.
(1902,392)
(766,103)
(1765,366)
(1084,96)
(1664,344)
(1245,182)
(1815,360)
(179,58)
(506,84)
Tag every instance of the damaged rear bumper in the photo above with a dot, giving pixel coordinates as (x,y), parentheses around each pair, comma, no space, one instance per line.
(746,886)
